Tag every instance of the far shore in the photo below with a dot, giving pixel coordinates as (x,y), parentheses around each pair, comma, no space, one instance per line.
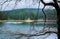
(26,20)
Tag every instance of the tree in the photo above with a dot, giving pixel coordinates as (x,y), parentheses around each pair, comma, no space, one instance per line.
(57,7)
(2,16)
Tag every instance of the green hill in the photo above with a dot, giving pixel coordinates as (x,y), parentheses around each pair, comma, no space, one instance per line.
(32,13)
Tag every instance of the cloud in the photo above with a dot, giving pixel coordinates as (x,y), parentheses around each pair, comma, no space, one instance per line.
(47,1)
(22,4)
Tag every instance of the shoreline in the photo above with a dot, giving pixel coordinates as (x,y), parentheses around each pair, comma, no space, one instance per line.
(27,20)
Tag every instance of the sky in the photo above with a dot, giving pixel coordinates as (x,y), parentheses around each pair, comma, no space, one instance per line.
(23,4)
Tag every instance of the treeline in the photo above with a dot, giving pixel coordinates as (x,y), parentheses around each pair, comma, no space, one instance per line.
(3,16)
(22,14)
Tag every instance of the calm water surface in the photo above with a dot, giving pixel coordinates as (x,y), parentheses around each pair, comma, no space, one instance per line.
(7,30)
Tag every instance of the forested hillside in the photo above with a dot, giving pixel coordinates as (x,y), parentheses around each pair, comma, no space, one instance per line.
(32,13)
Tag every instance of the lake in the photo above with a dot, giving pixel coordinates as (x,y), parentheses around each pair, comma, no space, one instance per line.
(8,29)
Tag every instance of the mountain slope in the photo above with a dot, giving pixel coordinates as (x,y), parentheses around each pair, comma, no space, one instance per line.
(30,13)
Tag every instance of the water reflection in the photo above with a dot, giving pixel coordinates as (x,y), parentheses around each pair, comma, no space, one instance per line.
(1,24)
(8,28)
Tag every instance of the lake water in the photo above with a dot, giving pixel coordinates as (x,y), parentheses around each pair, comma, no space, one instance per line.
(7,31)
